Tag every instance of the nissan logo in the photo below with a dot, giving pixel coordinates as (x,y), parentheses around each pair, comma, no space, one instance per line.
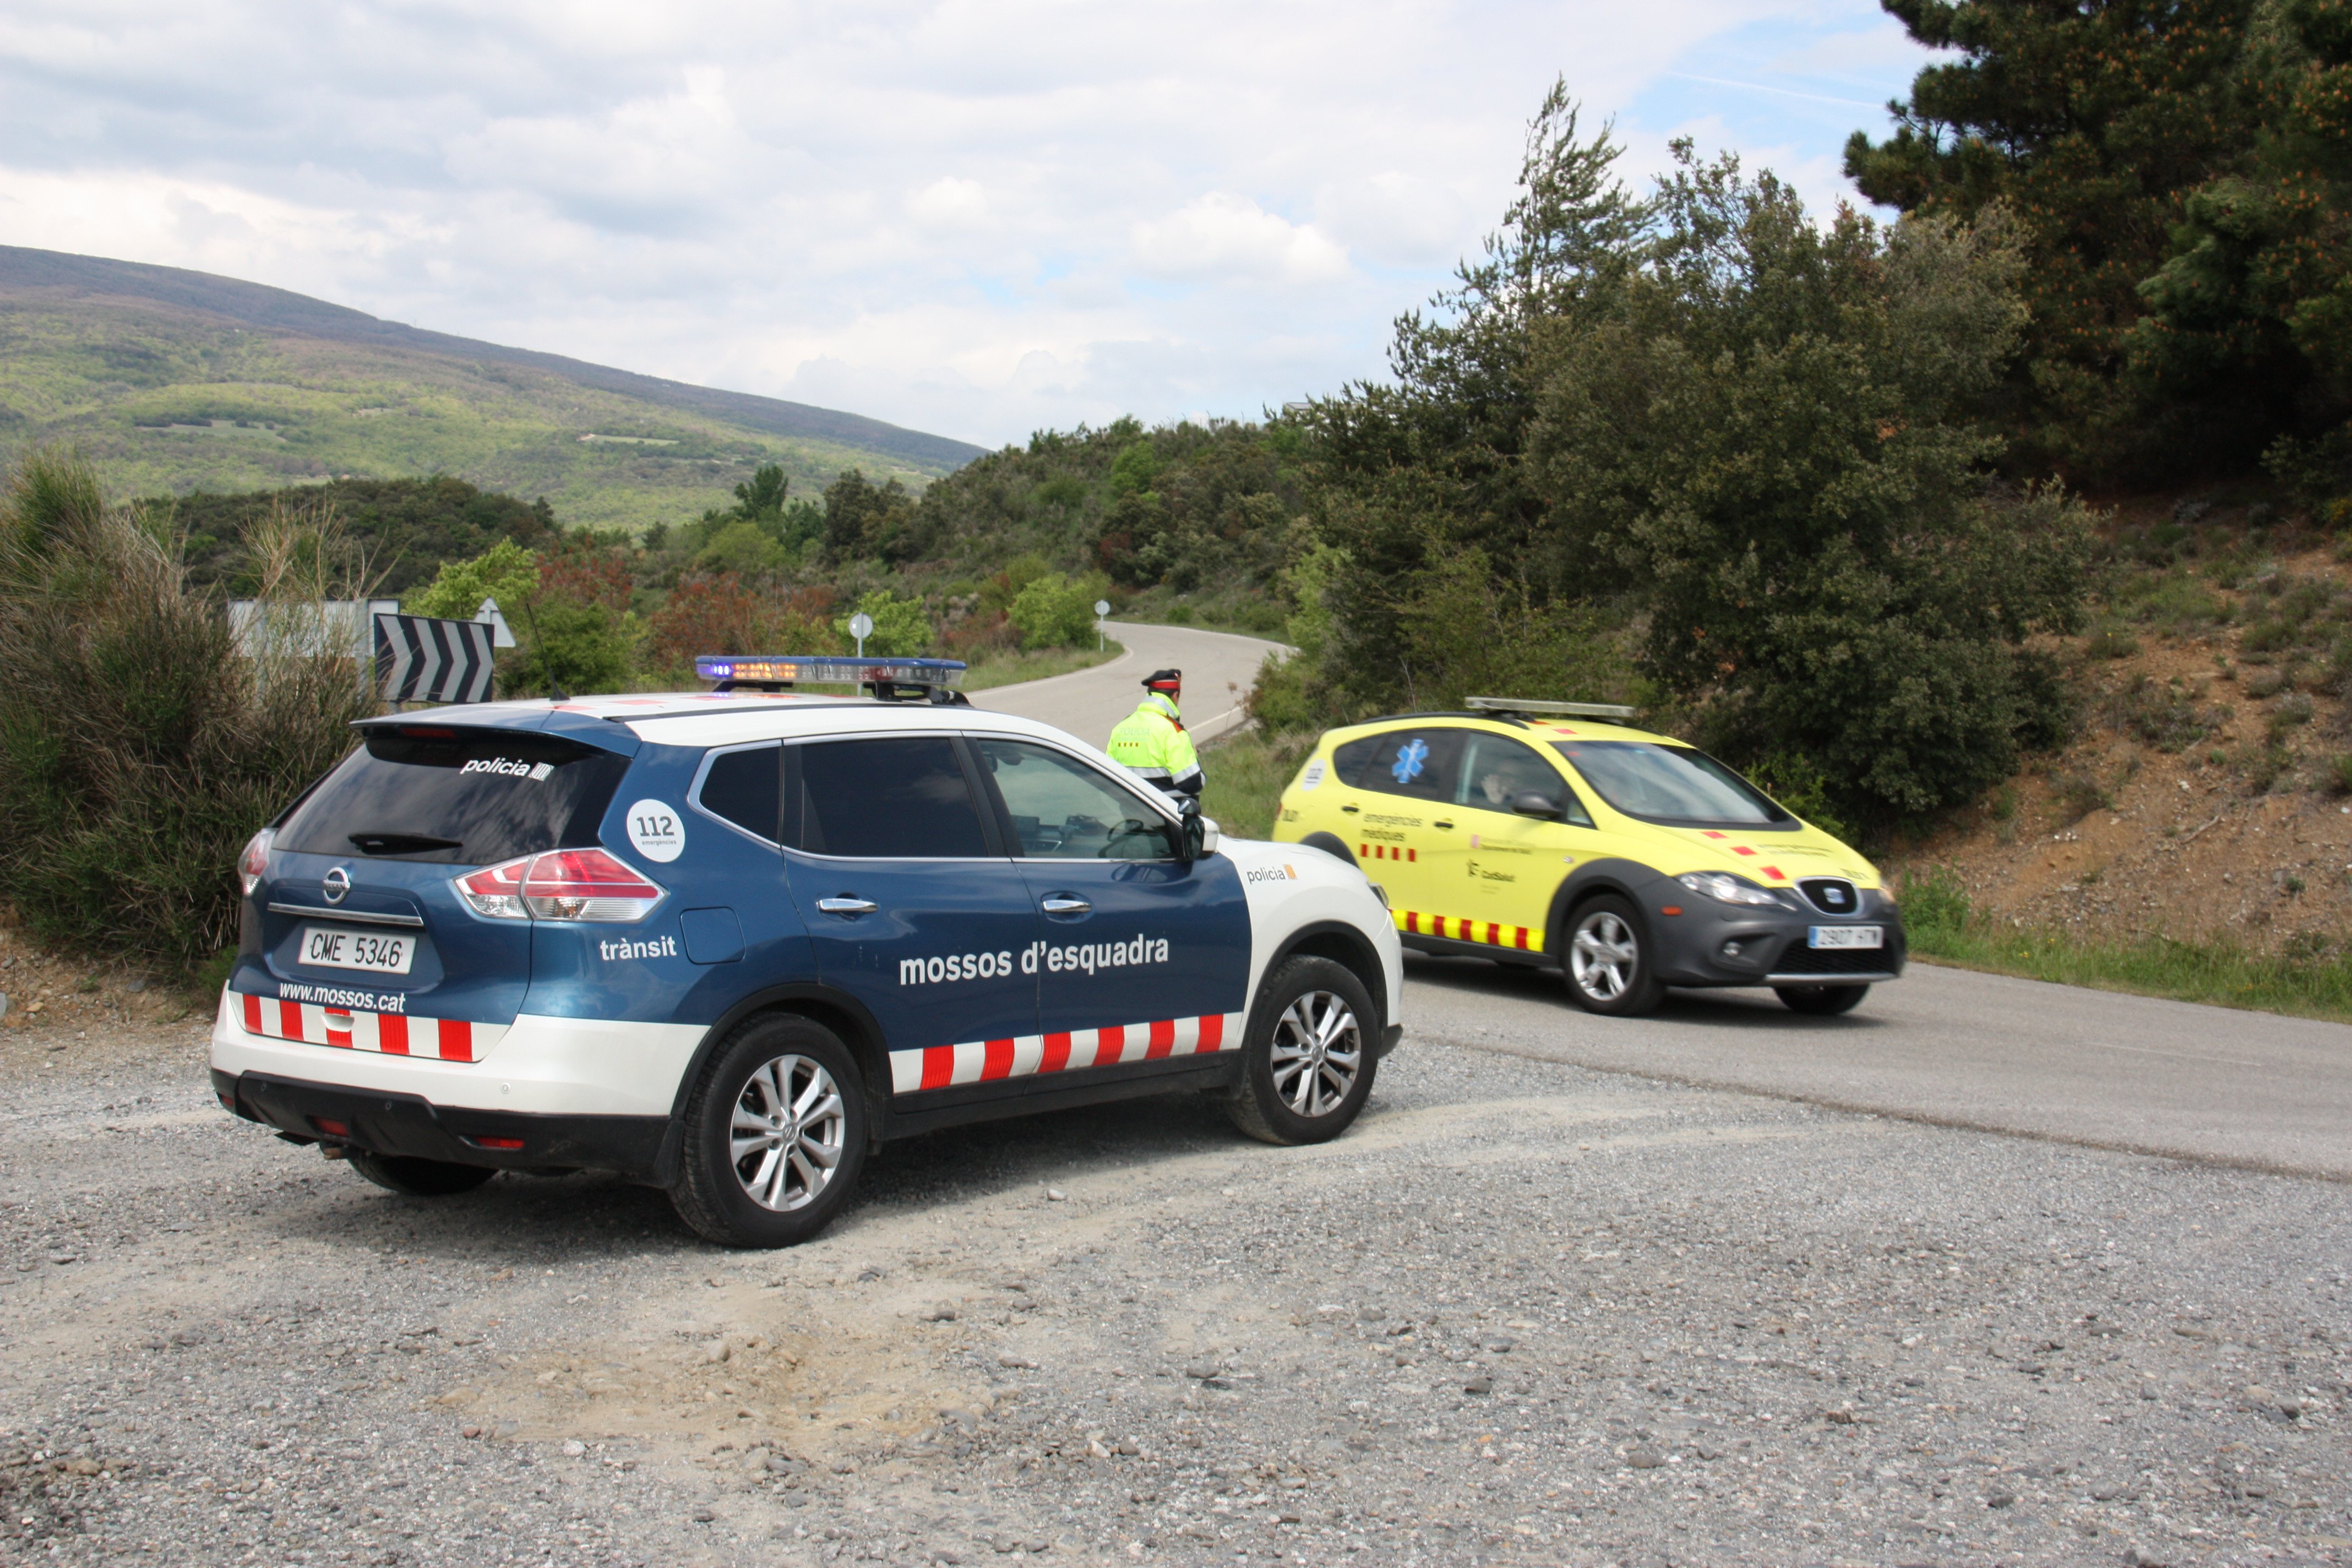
(339,882)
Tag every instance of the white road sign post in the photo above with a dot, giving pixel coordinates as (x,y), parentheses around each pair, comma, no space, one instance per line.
(1102,608)
(861,626)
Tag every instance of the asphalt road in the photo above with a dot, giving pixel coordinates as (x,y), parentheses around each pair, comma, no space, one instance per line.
(1219,669)
(1957,1048)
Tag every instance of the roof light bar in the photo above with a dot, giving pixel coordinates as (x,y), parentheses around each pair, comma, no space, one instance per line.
(827,670)
(1533,705)
(891,680)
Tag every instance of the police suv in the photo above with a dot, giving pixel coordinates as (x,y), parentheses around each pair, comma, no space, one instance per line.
(729,943)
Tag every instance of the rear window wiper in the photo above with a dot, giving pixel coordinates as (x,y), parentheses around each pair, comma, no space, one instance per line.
(402,842)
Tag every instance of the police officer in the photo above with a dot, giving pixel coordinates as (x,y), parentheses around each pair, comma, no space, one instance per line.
(1153,741)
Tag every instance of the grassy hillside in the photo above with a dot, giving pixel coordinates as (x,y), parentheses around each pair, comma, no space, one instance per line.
(176,381)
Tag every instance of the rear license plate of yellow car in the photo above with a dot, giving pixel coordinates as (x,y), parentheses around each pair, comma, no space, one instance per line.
(326,947)
(1846,936)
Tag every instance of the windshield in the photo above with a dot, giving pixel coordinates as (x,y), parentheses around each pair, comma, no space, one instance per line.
(1671,784)
(461,797)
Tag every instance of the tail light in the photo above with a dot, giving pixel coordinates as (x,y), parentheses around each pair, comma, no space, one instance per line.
(562,885)
(254,864)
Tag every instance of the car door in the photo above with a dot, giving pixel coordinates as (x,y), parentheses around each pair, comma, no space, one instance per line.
(1145,956)
(912,906)
(1407,820)
(1502,866)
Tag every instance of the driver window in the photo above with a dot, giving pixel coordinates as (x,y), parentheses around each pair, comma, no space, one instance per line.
(1064,810)
(1495,769)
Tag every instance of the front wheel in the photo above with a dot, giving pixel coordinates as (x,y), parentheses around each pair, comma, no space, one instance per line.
(415,1178)
(1608,963)
(1821,1001)
(1308,1058)
(775,1135)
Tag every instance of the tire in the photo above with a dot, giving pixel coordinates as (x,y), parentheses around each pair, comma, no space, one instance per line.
(415,1178)
(1310,1055)
(1821,1001)
(1329,846)
(1607,963)
(791,1093)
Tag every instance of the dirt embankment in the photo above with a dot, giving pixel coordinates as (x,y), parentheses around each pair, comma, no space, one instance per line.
(2207,793)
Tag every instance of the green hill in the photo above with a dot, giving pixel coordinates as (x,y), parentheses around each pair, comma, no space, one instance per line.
(175,382)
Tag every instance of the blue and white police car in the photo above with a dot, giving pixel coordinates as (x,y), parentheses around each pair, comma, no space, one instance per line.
(729,943)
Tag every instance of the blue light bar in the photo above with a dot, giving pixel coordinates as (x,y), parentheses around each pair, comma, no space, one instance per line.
(828,670)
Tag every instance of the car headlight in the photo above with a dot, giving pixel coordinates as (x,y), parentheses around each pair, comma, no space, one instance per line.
(1725,889)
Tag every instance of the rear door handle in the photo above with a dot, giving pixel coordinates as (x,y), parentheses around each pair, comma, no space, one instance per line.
(1063,904)
(1351,810)
(847,906)
(1445,825)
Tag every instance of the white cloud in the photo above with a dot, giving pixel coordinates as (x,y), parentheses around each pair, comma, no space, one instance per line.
(975,219)
(1227,240)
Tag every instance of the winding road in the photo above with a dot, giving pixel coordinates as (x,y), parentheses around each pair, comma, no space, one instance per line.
(1218,667)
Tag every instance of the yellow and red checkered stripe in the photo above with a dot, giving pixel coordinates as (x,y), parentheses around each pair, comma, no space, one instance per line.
(354,1029)
(1460,930)
(1386,852)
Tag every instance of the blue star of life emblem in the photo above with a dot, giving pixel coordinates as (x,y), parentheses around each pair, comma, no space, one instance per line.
(1410,756)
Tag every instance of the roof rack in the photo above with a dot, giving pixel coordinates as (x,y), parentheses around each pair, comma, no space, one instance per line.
(888,679)
(1524,705)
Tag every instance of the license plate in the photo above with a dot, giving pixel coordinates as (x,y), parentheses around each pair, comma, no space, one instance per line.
(1846,936)
(327,947)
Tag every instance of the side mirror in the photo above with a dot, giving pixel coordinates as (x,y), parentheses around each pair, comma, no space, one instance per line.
(1199,832)
(1535,803)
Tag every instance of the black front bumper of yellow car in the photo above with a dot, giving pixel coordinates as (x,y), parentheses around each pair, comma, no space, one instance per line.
(1704,942)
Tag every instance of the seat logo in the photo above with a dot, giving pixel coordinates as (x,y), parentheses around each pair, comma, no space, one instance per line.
(338,885)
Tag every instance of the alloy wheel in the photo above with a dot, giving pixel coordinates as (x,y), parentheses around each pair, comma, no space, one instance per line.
(787,1133)
(1604,956)
(1319,1049)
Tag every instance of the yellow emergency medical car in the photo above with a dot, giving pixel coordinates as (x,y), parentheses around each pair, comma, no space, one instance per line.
(1545,834)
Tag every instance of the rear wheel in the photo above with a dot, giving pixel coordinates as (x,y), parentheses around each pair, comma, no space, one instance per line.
(775,1135)
(1310,1056)
(1608,963)
(417,1178)
(1821,1001)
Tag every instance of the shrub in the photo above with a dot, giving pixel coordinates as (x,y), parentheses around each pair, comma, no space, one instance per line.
(901,628)
(2162,716)
(2111,642)
(1934,901)
(1053,611)
(505,573)
(139,747)
(2339,775)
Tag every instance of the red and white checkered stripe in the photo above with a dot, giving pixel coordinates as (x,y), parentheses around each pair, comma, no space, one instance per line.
(1460,930)
(1026,1056)
(352,1029)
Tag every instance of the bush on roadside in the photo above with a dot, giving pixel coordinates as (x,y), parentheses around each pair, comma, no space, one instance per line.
(139,747)
(1058,611)
(1933,903)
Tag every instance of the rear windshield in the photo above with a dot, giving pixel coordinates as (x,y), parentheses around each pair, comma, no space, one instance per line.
(1671,784)
(463,797)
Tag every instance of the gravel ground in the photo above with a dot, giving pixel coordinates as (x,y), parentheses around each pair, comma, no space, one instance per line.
(1527,1312)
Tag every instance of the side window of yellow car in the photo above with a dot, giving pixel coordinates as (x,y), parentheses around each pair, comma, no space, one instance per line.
(1420,764)
(1496,770)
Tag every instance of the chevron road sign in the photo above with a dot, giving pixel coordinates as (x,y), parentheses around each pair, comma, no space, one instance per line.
(420,659)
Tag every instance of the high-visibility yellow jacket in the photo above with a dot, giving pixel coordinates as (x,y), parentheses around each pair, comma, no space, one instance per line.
(1152,741)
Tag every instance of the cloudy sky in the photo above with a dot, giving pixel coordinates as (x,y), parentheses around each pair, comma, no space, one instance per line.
(977,219)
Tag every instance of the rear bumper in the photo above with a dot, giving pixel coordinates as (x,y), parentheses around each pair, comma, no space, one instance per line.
(408,1124)
(539,1066)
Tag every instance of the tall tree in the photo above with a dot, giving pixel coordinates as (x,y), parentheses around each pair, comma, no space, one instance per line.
(2092,121)
(2249,321)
